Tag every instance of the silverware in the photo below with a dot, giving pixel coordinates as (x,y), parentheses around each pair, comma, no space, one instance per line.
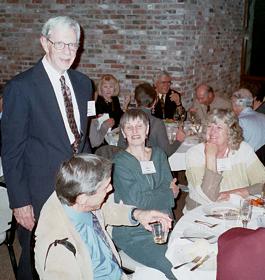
(218,216)
(195,260)
(205,223)
(197,237)
(200,262)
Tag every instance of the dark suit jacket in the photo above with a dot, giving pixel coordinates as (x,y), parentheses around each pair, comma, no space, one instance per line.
(170,108)
(35,141)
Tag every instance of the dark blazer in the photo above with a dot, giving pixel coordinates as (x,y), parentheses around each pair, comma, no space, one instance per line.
(112,108)
(34,138)
(170,107)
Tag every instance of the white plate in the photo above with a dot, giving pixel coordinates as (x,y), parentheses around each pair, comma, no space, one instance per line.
(228,210)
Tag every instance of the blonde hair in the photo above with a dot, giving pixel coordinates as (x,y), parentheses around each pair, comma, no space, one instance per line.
(228,117)
(108,78)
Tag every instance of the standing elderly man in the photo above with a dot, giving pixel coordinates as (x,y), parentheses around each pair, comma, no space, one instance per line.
(251,122)
(44,122)
(206,100)
(168,104)
(71,239)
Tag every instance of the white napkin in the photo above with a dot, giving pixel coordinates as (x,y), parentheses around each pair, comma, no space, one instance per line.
(182,250)
(144,273)
(101,119)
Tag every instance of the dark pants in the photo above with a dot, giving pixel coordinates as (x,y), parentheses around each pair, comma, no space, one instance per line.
(26,266)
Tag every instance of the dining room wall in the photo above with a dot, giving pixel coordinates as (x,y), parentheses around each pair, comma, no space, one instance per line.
(195,40)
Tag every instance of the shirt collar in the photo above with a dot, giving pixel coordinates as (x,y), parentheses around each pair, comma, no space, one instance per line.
(80,217)
(49,69)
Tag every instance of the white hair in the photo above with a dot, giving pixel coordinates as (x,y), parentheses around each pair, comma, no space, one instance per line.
(160,74)
(243,97)
(63,21)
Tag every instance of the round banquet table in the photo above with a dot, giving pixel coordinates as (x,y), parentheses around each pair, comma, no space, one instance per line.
(187,227)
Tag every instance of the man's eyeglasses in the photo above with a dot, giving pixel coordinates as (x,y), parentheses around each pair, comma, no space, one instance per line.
(61,45)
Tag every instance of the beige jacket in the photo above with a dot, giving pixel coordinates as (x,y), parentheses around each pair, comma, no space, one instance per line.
(62,263)
(218,103)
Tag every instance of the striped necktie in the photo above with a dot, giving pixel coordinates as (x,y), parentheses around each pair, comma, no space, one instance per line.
(70,114)
(101,234)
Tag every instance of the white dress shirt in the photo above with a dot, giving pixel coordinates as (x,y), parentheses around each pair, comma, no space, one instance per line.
(54,77)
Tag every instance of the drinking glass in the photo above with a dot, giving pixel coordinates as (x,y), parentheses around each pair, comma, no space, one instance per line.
(245,212)
(159,235)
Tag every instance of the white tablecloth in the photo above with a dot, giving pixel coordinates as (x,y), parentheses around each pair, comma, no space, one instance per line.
(177,161)
(186,223)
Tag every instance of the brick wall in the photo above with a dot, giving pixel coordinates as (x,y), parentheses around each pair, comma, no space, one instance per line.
(196,40)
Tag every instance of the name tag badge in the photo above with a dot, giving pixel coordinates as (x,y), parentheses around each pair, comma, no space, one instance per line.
(91,108)
(223,164)
(147,167)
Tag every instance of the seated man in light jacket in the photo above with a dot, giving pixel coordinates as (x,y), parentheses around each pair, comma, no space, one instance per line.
(71,240)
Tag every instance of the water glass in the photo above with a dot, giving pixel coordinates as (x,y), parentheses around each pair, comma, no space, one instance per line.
(159,234)
(245,212)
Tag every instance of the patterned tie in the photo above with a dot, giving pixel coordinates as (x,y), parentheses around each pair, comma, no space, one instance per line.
(101,234)
(162,103)
(70,113)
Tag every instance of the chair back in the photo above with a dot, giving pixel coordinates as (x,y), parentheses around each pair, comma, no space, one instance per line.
(261,154)
(5,214)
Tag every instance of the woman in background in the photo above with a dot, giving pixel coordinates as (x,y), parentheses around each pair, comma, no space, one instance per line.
(107,100)
(223,164)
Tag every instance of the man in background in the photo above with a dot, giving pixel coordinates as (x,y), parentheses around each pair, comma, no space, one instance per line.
(252,122)
(44,123)
(206,100)
(168,104)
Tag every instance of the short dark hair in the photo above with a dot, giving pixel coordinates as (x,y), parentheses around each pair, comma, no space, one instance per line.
(145,95)
(83,173)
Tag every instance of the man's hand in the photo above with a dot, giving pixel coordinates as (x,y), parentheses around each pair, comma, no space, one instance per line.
(193,110)
(180,135)
(25,216)
(174,96)
(145,217)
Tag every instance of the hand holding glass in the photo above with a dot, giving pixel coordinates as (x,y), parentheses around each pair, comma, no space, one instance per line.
(159,234)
